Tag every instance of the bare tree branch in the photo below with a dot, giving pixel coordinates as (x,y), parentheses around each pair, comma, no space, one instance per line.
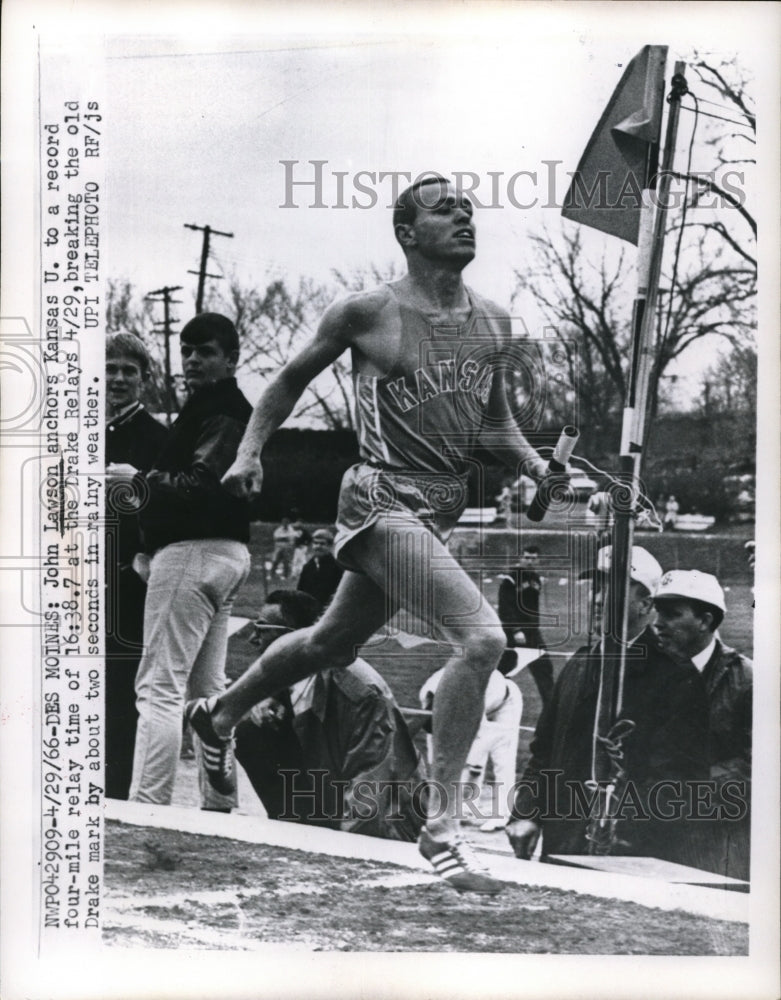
(274,324)
(713,77)
(717,189)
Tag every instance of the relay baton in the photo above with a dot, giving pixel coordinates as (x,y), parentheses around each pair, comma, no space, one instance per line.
(553,477)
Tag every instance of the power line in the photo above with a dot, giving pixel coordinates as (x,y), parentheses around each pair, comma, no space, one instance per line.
(721,118)
(723,107)
(172,404)
(202,275)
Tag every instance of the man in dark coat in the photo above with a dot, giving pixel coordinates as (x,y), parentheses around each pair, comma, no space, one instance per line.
(134,438)
(520,596)
(690,607)
(664,700)
(321,574)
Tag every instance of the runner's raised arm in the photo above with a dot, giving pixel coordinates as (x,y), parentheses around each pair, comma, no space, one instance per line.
(276,403)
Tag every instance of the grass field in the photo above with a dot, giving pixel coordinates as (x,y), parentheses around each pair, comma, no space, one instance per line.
(564,605)
(563,600)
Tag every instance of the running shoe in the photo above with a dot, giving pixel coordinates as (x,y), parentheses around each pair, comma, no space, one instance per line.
(456,863)
(217,752)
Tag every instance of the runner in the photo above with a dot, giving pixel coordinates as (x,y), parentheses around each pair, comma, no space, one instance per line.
(428,357)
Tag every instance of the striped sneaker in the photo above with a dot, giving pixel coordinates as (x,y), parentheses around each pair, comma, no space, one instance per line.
(217,750)
(456,863)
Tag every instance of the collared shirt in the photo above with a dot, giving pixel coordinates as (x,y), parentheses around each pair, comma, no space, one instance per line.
(701,659)
(124,414)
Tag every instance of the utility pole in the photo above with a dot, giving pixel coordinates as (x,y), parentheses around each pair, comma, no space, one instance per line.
(166,292)
(202,275)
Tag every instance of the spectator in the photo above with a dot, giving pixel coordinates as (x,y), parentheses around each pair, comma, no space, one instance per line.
(671,513)
(196,534)
(340,737)
(690,607)
(504,501)
(284,546)
(301,543)
(669,743)
(525,487)
(133,438)
(321,574)
(520,592)
(496,738)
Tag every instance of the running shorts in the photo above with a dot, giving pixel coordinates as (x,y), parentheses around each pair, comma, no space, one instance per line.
(370,493)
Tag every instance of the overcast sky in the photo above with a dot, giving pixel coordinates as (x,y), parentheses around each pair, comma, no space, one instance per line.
(213,128)
(199,122)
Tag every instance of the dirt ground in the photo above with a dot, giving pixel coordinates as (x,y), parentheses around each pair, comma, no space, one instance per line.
(166,889)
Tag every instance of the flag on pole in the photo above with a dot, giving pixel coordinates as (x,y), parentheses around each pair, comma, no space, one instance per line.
(621,156)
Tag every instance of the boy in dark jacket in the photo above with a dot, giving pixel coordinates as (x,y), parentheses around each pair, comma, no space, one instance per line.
(196,534)
(520,596)
(320,576)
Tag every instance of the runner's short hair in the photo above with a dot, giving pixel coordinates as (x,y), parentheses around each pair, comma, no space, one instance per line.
(406,208)
(128,345)
(299,610)
(211,326)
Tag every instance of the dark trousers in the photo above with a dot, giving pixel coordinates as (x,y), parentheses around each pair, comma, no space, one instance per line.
(298,796)
(264,751)
(121,722)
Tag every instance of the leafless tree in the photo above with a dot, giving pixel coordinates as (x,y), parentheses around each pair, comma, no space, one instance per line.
(276,321)
(709,277)
(587,318)
(587,306)
(730,384)
(717,199)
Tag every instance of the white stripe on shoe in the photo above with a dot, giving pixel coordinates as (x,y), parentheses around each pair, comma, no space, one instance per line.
(457,865)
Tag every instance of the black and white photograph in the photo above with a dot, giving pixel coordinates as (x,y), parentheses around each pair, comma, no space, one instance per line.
(390,461)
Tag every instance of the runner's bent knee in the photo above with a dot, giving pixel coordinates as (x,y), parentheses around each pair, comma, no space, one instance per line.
(483,648)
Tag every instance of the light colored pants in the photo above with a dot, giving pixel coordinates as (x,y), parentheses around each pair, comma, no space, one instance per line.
(189,598)
(497,738)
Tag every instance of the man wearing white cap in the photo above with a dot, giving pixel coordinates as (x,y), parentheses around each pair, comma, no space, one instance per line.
(690,607)
(665,701)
